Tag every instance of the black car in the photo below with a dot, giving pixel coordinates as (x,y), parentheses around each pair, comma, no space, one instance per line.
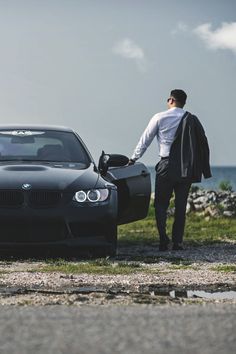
(52,194)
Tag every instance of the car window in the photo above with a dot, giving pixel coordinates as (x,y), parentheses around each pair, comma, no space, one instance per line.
(32,145)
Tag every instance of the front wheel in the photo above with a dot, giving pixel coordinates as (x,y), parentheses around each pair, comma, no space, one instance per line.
(110,249)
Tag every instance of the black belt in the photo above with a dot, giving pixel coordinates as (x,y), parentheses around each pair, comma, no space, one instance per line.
(164,158)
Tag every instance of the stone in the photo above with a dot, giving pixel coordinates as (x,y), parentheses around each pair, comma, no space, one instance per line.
(212,196)
(188,208)
(201,200)
(212,203)
(212,211)
(229,213)
(198,207)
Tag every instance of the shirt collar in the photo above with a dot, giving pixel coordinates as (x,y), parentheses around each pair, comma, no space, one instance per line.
(176,108)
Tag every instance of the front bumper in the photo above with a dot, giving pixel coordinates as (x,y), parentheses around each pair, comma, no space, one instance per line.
(68,224)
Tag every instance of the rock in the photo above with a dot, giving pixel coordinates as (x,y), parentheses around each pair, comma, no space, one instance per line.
(212,197)
(229,213)
(201,200)
(228,204)
(212,203)
(212,211)
(198,207)
(188,208)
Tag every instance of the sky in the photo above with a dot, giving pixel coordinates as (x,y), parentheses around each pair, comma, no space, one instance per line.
(105,67)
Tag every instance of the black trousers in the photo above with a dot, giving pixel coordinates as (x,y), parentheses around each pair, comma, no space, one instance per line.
(164,188)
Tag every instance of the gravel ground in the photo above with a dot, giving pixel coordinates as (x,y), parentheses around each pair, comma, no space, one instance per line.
(222,253)
(22,282)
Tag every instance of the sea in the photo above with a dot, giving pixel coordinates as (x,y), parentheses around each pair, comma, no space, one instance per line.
(219,174)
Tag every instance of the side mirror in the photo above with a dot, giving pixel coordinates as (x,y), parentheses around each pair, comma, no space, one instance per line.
(111,160)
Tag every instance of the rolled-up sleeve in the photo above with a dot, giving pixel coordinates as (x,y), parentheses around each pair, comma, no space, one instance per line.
(147,137)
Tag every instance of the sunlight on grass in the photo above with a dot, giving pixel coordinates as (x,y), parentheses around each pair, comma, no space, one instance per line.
(198,230)
(225,268)
(99,266)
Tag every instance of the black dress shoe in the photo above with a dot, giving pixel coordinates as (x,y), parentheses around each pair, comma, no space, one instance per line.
(163,246)
(177,247)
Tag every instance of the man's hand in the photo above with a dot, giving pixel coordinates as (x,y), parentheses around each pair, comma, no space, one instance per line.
(131,162)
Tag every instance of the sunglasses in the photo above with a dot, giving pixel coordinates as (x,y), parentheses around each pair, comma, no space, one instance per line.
(170,98)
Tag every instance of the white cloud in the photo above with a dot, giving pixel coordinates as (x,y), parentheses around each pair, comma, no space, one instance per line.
(223,37)
(130,50)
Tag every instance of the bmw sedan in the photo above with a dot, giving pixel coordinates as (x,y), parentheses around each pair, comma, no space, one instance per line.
(52,194)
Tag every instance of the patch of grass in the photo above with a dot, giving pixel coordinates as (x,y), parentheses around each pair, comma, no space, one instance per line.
(100,266)
(145,259)
(178,260)
(225,186)
(180,266)
(26,302)
(225,268)
(198,230)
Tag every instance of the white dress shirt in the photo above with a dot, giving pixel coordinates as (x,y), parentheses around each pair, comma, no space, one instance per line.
(163,125)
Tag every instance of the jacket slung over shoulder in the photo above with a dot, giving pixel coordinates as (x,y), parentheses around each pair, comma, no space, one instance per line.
(189,154)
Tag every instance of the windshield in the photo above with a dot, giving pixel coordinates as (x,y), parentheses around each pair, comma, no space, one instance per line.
(32,145)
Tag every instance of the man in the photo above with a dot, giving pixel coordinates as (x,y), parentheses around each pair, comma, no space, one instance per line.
(184,153)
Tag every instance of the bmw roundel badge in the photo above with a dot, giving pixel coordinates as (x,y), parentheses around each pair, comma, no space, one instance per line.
(26,186)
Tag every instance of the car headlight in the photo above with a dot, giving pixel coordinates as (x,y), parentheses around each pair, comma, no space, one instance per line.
(93,195)
(80,196)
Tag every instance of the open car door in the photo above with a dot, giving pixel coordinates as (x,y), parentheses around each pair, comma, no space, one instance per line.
(134,189)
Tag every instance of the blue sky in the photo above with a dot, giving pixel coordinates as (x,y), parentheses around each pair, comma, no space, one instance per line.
(105,67)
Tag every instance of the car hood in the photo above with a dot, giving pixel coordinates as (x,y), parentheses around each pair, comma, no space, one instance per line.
(62,176)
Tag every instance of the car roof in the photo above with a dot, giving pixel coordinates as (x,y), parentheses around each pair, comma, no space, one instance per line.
(35,127)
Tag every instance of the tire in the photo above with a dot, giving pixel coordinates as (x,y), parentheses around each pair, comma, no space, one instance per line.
(109,250)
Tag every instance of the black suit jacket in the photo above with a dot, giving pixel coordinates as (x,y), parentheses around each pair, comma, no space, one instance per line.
(189,153)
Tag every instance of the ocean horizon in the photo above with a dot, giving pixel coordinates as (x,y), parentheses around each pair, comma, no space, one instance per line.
(219,174)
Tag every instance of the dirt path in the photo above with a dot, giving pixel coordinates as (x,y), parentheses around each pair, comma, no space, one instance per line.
(166,277)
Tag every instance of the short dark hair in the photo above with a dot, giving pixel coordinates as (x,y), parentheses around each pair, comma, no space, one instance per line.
(179,95)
